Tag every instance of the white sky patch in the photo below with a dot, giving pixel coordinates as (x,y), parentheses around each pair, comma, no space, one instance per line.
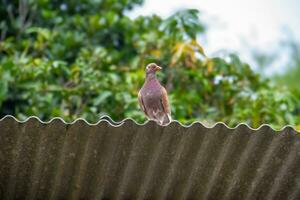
(237,25)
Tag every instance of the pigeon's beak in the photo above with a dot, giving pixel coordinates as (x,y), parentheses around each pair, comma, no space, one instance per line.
(158,68)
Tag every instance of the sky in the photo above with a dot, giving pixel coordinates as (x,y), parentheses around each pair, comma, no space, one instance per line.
(238,25)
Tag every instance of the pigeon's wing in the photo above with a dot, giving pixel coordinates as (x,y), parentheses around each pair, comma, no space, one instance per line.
(165,101)
(140,98)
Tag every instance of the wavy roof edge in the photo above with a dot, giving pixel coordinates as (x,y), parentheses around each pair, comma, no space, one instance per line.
(113,123)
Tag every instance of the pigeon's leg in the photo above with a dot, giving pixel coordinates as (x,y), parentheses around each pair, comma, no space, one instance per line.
(161,118)
(160,121)
(157,117)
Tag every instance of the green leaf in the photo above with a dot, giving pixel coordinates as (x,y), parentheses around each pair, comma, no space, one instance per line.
(102,97)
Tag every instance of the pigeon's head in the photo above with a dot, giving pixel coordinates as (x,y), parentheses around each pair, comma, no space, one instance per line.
(152,68)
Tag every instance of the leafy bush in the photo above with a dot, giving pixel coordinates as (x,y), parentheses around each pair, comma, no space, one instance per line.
(87,59)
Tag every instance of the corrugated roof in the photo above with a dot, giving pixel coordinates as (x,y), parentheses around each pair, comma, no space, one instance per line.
(111,160)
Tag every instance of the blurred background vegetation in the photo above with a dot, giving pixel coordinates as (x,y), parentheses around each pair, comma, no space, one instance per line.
(87,58)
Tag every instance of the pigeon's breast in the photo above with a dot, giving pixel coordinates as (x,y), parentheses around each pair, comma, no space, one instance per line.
(152,98)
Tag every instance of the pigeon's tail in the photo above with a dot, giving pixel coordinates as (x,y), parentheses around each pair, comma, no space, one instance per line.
(167,119)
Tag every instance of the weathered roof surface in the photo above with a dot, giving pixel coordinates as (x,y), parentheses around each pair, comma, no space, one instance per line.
(124,160)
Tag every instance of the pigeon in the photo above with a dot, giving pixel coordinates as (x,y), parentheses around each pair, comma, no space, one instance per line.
(153,97)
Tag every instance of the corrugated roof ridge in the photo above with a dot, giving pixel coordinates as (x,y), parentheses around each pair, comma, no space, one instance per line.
(113,123)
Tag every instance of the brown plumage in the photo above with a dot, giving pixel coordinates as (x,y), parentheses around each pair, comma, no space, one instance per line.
(153,97)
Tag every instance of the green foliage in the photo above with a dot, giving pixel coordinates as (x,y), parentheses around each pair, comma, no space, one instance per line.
(290,77)
(85,59)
